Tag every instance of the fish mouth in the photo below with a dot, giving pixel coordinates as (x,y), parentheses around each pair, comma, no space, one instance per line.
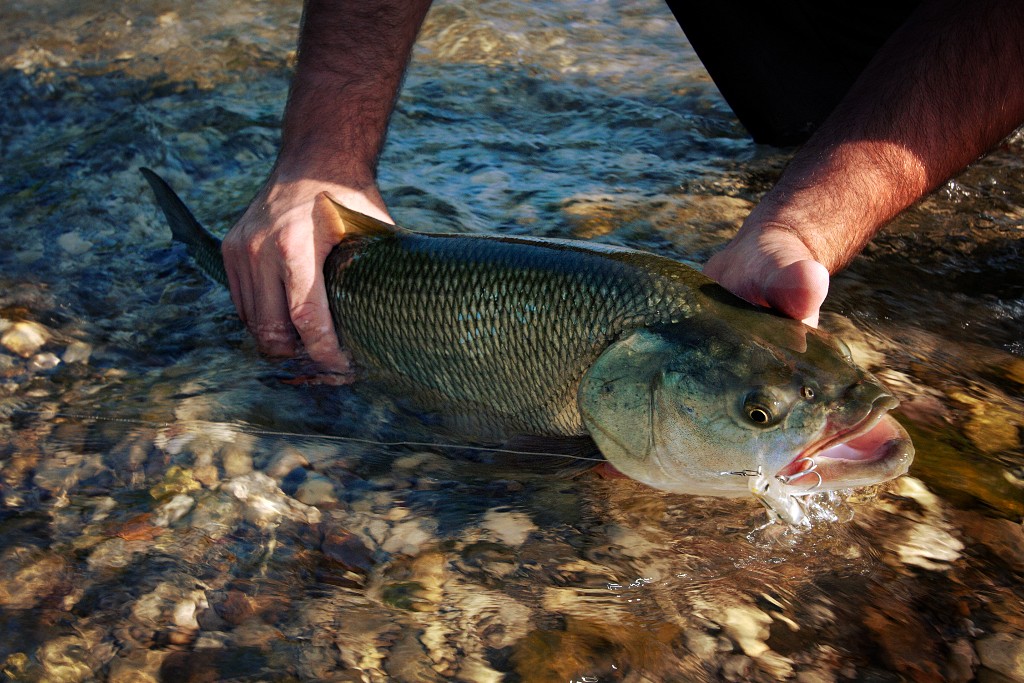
(873,450)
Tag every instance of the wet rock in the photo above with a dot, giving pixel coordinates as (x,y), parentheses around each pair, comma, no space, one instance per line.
(114,553)
(77,352)
(701,644)
(1003,653)
(282,464)
(265,503)
(177,481)
(237,460)
(993,424)
(41,362)
(27,576)
(737,668)
(316,490)
(173,510)
(406,538)
(73,244)
(508,527)
(748,627)
(904,640)
(347,550)
(1003,538)
(137,667)
(69,659)
(928,547)
(962,662)
(24,338)
(407,661)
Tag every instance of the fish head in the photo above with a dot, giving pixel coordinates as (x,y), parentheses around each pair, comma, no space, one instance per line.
(748,403)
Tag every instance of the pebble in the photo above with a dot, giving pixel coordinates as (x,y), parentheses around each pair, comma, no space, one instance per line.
(281,465)
(748,626)
(173,510)
(265,503)
(62,659)
(928,547)
(29,576)
(406,538)
(316,490)
(24,338)
(77,352)
(137,667)
(237,461)
(43,361)
(73,244)
(1003,653)
(510,528)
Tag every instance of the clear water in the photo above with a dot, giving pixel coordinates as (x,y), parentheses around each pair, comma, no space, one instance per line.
(190,544)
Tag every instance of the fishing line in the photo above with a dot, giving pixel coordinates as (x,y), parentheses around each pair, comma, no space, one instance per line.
(258,431)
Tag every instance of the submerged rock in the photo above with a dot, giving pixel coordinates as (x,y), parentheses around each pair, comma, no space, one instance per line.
(24,338)
(1004,653)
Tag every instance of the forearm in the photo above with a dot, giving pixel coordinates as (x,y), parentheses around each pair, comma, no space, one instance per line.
(351,59)
(947,87)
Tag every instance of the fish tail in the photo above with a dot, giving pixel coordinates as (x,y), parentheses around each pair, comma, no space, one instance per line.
(202,246)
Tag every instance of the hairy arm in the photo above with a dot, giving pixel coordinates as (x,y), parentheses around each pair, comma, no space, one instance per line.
(945,88)
(351,60)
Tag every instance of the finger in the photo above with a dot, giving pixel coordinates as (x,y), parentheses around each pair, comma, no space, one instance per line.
(311,316)
(236,279)
(798,290)
(270,322)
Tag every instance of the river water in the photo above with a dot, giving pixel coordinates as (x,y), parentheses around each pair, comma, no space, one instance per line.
(161,520)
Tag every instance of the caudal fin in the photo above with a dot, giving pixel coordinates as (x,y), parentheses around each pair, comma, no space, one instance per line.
(202,246)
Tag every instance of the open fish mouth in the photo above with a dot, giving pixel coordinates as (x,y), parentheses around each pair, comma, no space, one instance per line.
(875,449)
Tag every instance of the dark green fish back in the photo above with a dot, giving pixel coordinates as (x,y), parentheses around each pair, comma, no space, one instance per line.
(498,331)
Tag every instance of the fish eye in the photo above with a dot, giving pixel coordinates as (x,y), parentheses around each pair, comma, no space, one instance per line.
(762,409)
(806,392)
(759,415)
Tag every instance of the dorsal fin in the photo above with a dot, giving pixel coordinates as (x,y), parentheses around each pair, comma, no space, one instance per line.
(340,221)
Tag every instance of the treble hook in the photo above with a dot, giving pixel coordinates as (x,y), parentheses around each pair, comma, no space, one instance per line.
(802,473)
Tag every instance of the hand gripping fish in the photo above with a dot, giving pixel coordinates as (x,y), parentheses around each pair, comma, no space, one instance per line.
(682,385)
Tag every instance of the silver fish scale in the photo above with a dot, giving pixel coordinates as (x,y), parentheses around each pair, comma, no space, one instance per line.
(496,331)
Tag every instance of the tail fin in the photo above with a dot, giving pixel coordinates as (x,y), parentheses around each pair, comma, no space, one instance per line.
(202,246)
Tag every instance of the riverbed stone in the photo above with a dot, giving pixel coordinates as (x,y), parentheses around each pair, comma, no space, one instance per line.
(1003,653)
(24,338)
(77,352)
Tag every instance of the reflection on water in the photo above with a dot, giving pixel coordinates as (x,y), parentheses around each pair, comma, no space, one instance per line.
(151,549)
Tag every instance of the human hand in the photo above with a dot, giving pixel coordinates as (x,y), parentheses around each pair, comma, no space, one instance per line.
(770,266)
(274,257)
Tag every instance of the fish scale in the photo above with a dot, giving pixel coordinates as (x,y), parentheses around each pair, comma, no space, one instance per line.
(500,329)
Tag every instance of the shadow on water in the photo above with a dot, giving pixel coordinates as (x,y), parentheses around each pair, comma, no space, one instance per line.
(190,543)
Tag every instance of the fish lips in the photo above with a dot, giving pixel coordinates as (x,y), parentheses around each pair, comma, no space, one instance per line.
(875,449)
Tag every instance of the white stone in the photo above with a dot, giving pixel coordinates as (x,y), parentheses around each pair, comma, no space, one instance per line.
(73,244)
(407,538)
(77,352)
(929,547)
(748,626)
(24,338)
(173,510)
(43,361)
(316,490)
(508,527)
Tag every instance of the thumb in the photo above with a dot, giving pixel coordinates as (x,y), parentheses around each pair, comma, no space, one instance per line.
(798,290)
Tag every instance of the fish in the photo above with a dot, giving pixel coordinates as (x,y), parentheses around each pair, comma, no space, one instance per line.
(680,384)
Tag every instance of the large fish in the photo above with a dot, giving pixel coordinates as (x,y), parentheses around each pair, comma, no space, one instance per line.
(682,385)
